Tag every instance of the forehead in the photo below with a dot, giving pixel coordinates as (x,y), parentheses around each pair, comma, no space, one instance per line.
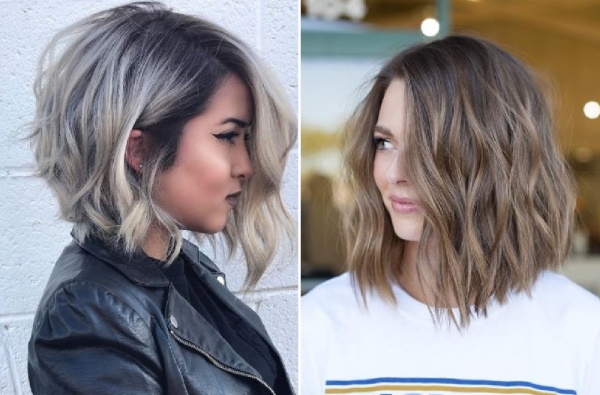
(393,108)
(232,98)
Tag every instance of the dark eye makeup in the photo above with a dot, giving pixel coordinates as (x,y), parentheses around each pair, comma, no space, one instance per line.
(228,136)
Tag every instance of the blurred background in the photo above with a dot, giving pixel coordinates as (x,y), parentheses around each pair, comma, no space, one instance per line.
(344,42)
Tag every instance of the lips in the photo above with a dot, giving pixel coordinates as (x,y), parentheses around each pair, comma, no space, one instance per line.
(404,205)
(232,199)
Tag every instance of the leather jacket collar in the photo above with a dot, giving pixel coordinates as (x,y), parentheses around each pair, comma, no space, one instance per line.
(181,318)
(135,266)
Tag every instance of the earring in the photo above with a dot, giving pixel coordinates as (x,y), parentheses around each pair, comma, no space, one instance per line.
(141,166)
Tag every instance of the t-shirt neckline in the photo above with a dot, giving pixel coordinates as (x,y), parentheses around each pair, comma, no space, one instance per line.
(419,311)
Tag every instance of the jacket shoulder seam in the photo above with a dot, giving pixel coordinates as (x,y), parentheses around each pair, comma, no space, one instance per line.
(98,285)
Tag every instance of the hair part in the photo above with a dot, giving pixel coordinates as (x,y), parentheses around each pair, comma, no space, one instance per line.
(142,66)
(497,195)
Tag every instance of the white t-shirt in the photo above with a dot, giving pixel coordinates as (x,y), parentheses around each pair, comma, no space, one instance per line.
(544,345)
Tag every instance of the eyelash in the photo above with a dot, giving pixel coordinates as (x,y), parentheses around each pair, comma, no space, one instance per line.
(378,143)
(228,136)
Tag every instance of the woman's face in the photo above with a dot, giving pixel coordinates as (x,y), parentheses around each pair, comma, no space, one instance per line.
(212,163)
(389,169)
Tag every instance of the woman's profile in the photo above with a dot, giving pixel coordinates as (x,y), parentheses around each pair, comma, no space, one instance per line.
(149,123)
(458,209)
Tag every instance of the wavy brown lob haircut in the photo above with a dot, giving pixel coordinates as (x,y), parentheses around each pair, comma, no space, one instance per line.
(497,195)
(142,66)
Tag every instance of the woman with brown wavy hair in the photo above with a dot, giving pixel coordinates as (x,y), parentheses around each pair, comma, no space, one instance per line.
(458,207)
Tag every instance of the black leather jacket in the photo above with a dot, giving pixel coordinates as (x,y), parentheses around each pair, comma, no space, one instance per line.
(112,324)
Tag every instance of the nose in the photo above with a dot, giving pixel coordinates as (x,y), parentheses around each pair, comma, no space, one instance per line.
(396,171)
(242,166)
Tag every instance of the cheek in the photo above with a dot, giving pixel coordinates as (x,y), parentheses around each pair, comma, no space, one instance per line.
(208,170)
(198,179)
(379,169)
(204,161)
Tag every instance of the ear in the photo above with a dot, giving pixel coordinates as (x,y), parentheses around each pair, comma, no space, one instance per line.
(135,152)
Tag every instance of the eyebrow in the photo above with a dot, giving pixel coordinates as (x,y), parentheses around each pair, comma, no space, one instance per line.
(237,121)
(382,130)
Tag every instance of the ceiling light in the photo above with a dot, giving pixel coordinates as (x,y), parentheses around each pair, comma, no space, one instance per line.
(430,27)
(591,109)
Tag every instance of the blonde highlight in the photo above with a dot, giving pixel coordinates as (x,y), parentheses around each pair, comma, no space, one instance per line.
(142,66)
(497,195)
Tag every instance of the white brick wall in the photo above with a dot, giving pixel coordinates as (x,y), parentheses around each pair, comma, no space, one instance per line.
(31,236)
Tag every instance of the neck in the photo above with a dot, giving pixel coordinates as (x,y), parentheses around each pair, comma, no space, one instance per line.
(409,279)
(157,242)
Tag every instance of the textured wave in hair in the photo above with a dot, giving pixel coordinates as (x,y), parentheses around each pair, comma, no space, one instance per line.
(497,195)
(142,66)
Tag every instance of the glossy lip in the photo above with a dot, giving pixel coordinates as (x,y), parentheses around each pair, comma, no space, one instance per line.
(232,199)
(403,205)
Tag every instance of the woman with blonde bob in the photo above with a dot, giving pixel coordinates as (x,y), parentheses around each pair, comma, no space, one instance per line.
(150,122)
(458,210)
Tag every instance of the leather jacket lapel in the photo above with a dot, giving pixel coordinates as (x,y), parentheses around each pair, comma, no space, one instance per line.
(188,325)
(208,275)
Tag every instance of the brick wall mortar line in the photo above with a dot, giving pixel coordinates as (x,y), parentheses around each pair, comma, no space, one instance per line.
(268,290)
(12,366)
(16,171)
(8,318)
(259,296)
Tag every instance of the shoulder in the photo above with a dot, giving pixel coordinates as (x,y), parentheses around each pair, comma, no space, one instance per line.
(555,292)
(560,307)
(335,293)
(572,315)
(85,327)
(335,319)
(82,303)
(331,303)
(325,313)
(83,283)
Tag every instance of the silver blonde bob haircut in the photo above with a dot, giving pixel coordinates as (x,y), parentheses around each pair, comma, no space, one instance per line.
(142,66)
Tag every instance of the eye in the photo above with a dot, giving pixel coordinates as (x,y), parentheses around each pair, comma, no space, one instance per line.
(228,136)
(382,144)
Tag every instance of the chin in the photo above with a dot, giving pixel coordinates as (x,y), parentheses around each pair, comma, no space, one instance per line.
(208,229)
(408,238)
(408,233)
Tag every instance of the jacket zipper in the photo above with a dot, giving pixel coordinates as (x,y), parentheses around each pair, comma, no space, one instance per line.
(219,364)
